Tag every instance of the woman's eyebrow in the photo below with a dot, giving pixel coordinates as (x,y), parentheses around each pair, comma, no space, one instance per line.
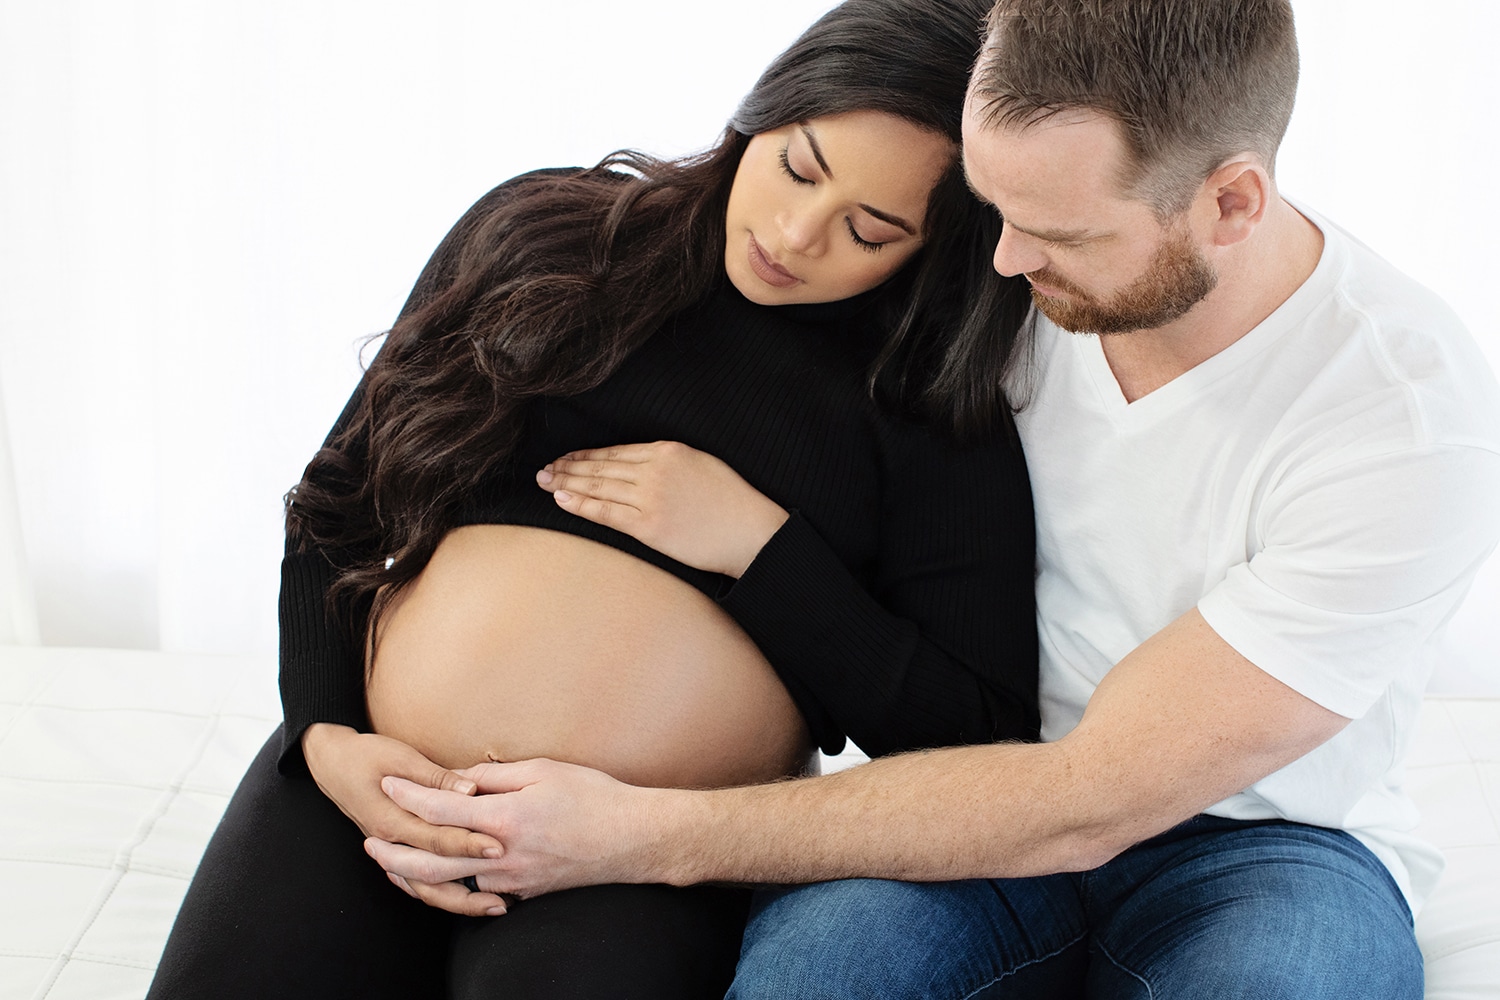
(817,152)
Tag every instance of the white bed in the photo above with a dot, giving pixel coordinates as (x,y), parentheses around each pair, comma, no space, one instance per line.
(115,766)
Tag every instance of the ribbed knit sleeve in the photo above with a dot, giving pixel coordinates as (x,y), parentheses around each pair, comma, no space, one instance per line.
(938,645)
(320,676)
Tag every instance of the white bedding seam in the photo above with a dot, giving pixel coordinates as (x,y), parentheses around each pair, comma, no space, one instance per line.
(122,860)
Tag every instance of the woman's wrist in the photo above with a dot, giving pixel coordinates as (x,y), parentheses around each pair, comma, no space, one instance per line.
(768,521)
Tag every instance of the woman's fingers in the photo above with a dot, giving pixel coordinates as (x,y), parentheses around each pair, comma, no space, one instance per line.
(629,453)
(602,481)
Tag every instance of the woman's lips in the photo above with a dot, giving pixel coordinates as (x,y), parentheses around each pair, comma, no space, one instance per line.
(768,270)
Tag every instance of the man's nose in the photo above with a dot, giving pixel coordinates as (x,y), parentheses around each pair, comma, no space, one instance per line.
(1017,253)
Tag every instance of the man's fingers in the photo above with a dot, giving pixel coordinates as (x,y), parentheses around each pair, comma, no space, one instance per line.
(497,776)
(400,826)
(453,897)
(401,884)
(434,805)
(456,842)
(458,899)
(416,865)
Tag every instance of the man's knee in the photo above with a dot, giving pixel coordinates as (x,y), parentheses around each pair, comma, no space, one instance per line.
(1274,911)
(873,938)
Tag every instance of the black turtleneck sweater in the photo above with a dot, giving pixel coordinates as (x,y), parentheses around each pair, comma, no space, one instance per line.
(896,603)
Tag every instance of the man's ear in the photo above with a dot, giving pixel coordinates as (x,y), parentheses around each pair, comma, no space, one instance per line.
(1234,199)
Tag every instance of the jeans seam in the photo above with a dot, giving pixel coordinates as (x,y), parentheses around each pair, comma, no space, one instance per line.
(1010,972)
(1129,972)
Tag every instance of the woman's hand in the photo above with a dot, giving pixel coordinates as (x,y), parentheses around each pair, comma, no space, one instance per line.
(682,502)
(349,766)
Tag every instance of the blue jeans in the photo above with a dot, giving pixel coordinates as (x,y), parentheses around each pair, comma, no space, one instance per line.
(1213,908)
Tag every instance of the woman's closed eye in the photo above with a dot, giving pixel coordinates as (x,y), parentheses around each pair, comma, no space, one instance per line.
(786,165)
(869,246)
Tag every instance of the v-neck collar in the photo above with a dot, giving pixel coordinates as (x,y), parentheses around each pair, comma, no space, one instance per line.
(1089,349)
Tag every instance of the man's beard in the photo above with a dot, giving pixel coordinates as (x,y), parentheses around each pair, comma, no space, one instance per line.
(1178,278)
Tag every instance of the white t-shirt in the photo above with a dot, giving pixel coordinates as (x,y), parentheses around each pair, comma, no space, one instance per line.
(1323,491)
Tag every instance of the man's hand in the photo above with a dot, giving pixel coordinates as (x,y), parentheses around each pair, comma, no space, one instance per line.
(562,826)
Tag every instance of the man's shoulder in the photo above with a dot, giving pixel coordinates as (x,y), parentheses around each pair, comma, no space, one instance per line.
(1371,329)
(1373,294)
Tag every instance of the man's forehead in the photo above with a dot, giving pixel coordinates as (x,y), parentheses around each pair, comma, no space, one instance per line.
(1058,170)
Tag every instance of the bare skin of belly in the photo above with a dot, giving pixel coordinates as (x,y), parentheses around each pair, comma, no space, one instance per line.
(520,642)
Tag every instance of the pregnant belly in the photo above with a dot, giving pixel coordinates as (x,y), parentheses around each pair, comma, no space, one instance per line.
(519,642)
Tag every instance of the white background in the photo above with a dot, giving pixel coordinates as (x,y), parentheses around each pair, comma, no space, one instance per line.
(204,208)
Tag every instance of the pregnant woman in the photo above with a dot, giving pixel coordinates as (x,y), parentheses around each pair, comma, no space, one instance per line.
(676,469)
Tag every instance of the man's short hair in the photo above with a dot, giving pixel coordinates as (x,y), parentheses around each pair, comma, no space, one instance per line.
(1191,83)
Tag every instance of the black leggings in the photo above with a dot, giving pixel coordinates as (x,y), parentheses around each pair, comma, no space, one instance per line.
(287,904)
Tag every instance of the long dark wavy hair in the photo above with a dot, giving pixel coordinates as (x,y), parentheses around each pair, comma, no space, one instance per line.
(548,290)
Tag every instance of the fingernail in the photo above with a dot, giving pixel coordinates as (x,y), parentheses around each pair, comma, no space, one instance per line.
(563,496)
(466,787)
(544,477)
(495,911)
(493,852)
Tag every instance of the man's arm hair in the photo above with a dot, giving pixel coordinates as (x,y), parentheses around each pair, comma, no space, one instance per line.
(1181,723)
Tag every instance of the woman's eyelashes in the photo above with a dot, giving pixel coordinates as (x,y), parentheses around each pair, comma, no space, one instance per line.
(869,246)
(786,165)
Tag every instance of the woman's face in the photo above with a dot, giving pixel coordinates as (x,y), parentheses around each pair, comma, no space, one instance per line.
(827,208)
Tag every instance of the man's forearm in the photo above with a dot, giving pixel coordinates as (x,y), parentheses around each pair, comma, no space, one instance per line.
(992,811)
(1178,725)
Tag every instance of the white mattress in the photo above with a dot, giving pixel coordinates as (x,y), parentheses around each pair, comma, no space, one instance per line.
(115,766)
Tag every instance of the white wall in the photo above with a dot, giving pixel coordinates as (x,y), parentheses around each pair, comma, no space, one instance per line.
(205,207)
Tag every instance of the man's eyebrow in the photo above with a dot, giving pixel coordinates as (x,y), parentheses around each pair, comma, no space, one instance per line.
(886,217)
(1049,235)
(1055,235)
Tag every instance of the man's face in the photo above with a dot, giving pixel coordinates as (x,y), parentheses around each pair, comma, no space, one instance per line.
(1098,261)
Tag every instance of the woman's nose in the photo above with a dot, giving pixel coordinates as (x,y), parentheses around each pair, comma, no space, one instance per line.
(804,231)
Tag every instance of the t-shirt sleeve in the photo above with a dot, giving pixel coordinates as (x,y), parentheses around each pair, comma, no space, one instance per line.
(937,645)
(1358,565)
